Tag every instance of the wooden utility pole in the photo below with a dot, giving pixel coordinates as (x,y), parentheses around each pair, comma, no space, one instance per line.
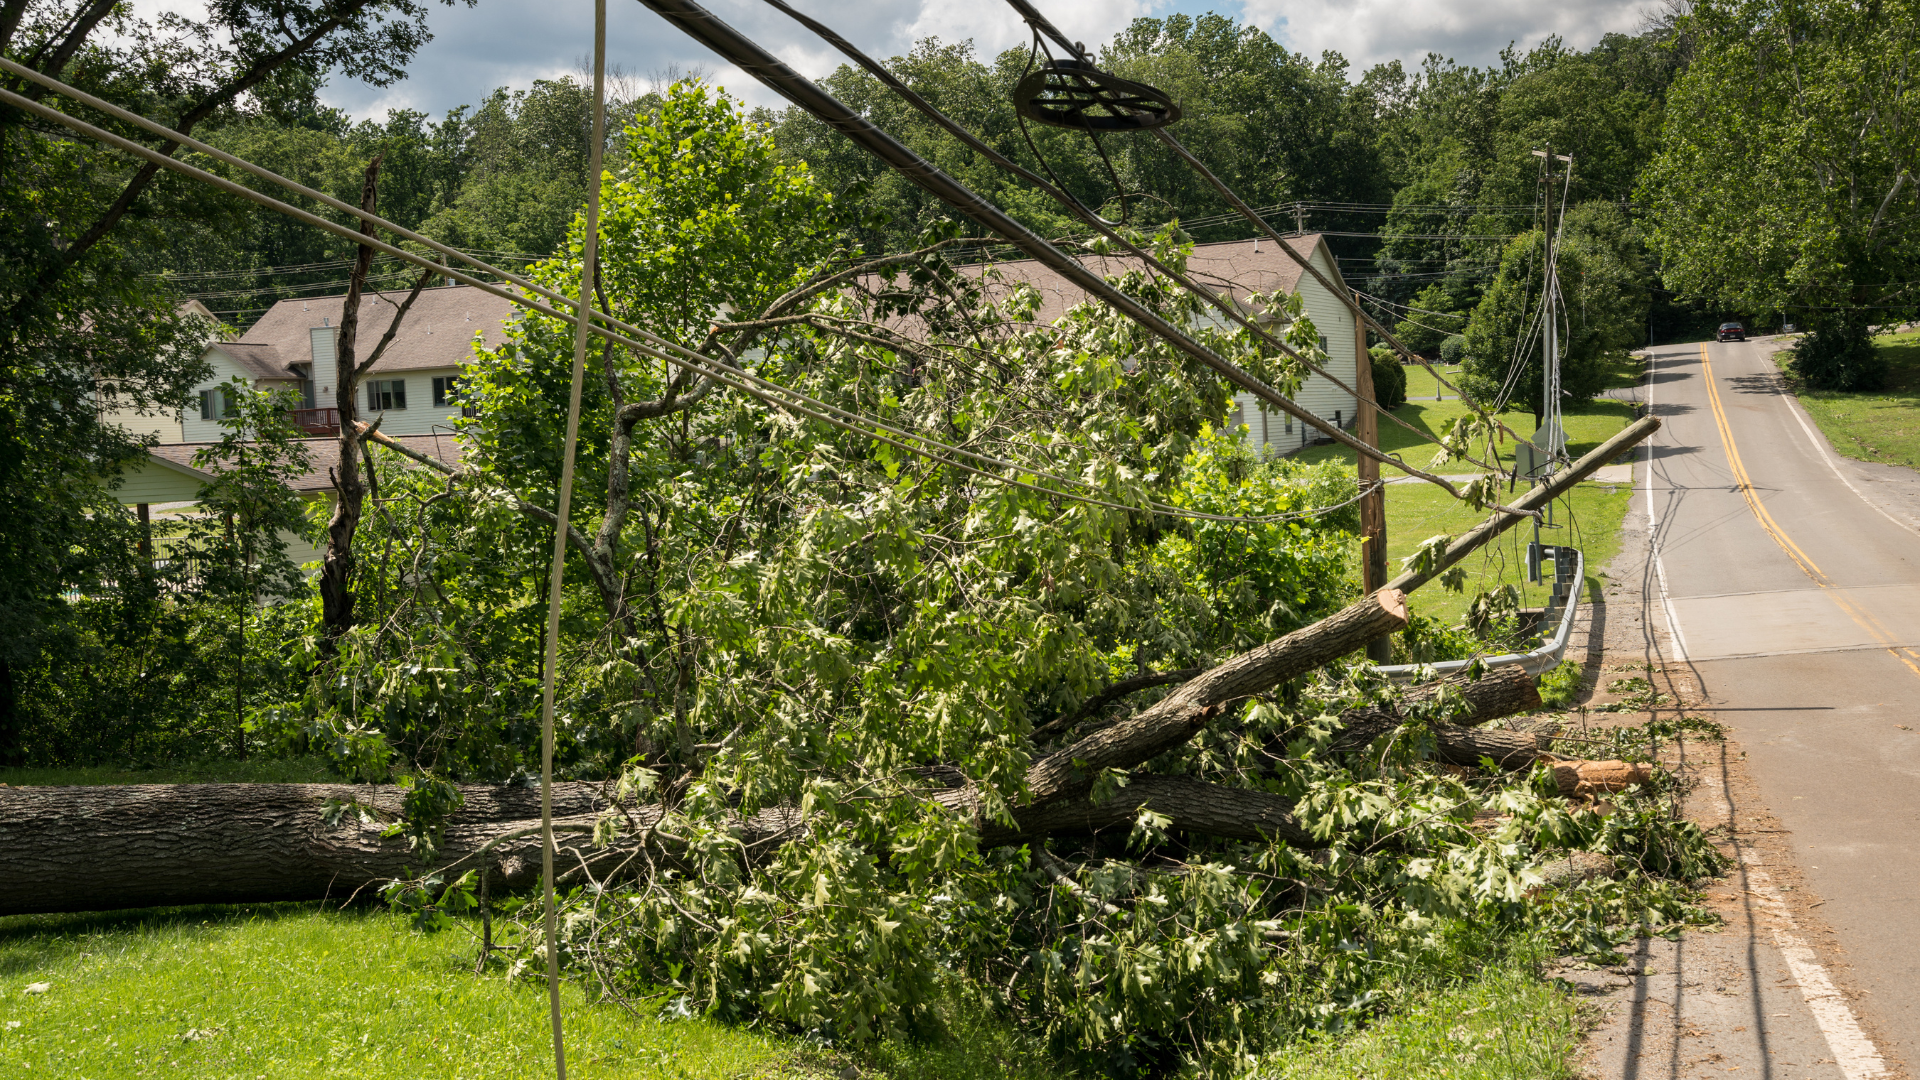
(1373,504)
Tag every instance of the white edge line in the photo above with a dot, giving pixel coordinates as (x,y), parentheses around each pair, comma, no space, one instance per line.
(1825,451)
(1853,1051)
(1653,528)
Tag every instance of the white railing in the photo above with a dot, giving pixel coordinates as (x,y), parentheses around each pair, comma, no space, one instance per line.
(1566,590)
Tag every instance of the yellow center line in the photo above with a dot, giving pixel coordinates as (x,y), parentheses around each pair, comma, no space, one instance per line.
(1861,617)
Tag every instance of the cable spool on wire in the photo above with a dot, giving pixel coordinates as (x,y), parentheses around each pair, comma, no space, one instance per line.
(1080,97)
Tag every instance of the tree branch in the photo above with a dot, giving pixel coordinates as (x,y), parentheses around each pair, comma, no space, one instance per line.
(393,327)
(1107,697)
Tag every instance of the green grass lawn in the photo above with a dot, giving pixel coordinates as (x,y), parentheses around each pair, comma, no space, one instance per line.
(1587,425)
(1415,511)
(296,992)
(288,990)
(1883,426)
(1422,387)
(1508,1024)
(1589,519)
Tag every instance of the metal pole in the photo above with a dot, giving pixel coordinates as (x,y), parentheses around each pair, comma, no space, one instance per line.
(1551,319)
(589,250)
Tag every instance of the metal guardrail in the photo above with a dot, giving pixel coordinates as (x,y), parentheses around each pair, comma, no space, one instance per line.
(1566,590)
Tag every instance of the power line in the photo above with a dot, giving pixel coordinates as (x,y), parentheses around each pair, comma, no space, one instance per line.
(644,343)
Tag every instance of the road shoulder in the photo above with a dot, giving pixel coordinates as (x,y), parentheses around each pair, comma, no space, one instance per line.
(1766,992)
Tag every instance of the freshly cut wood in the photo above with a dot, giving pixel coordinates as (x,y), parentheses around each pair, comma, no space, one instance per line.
(1582,779)
(1576,868)
(1175,718)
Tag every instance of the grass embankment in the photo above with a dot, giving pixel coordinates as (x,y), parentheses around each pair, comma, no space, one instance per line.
(287,990)
(293,991)
(1507,1023)
(1590,518)
(1882,426)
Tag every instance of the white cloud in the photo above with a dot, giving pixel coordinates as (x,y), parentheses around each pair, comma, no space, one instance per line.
(1369,32)
(513,42)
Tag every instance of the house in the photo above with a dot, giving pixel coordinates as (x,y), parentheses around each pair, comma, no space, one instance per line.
(1239,268)
(413,386)
(170,479)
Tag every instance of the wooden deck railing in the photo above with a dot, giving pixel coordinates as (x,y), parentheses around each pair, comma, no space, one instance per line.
(317,421)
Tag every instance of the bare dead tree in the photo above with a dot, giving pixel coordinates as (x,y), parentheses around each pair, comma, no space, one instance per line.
(336,568)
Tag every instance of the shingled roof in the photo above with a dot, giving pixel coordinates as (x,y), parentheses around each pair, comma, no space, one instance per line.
(323,456)
(1235,267)
(438,331)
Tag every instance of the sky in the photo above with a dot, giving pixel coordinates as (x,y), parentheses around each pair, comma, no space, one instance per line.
(513,42)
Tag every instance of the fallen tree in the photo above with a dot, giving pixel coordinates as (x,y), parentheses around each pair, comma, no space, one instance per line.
(169,844)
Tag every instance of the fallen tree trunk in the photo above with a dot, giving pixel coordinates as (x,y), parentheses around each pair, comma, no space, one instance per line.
(148,845)
(1500,692)
(1175,718)
(140,845)
(1192,805)
(90,849)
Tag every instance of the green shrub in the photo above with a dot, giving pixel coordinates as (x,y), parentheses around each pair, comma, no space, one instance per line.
(1454,349)
(1838,354)
(1389,378)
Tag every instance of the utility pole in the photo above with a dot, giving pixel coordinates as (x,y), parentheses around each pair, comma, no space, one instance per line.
(1549,417)
(1299,220)
(1373,501)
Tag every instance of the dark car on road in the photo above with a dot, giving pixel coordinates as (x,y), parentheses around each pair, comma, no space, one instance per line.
(1732,331)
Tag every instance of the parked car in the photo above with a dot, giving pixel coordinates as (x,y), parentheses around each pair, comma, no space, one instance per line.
(1732,331)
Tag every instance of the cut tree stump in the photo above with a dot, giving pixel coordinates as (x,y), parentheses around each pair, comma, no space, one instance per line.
(1583,779)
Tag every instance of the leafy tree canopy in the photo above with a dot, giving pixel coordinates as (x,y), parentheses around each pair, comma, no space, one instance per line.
(1787,179)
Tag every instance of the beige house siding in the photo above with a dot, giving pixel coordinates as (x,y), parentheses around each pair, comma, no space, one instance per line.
(224,367)
(157,482)
(421,416)
(1334,321)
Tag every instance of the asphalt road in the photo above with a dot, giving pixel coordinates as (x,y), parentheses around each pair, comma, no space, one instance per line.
(1792,587)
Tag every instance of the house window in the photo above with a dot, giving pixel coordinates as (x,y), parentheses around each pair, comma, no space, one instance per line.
(386,394)
(217,404)
(446,391)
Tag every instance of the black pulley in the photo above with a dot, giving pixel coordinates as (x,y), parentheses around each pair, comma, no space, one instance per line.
(1070,94)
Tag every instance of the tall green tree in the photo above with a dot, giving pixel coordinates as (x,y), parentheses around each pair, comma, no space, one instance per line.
(1604,290)
(1787,179)
(83,320)
(235,548)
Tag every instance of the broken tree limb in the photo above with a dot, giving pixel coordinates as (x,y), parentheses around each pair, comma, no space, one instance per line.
(1066,721)
(1533,500)
(1176,717)
(1499,692)
(1192,805)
